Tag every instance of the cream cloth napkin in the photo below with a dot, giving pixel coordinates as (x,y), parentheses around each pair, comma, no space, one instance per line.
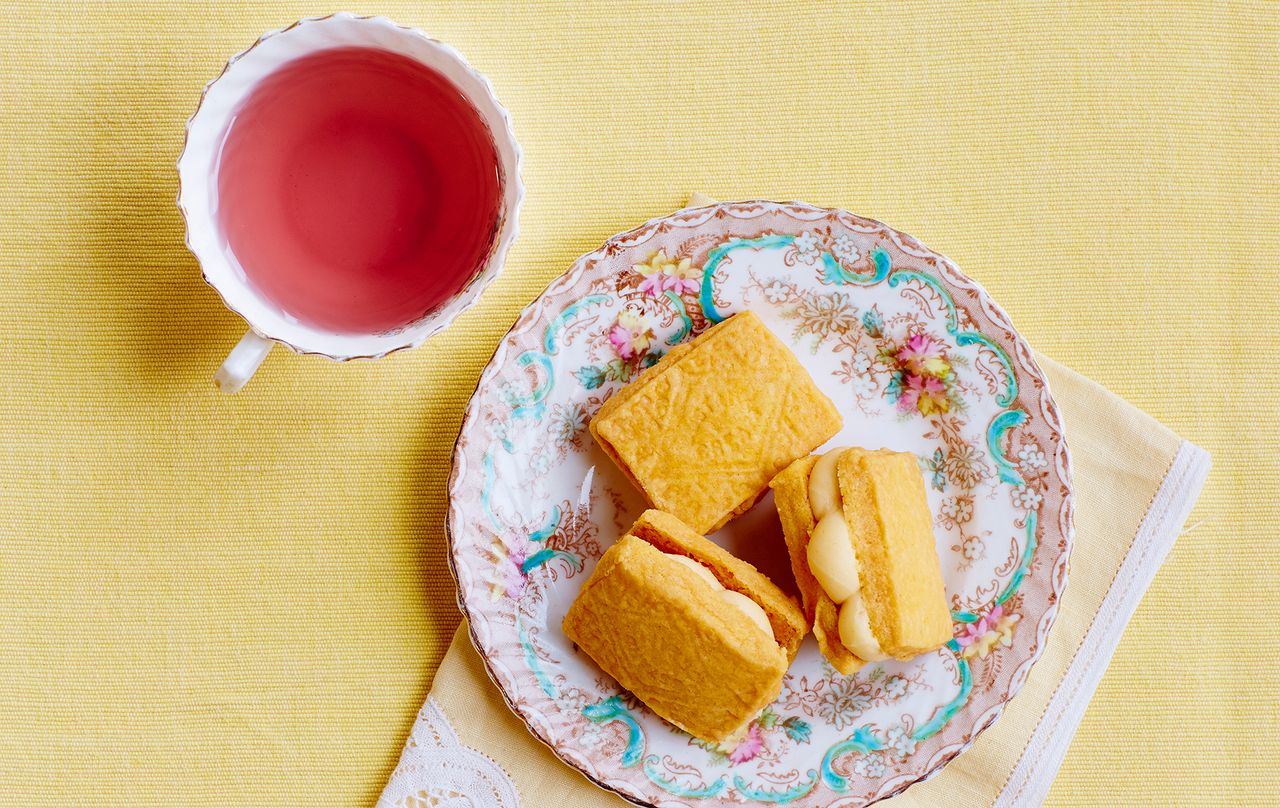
(1135,482)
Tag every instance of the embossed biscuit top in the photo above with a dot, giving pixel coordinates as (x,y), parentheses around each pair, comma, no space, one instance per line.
(689,655)
(892,531)
(670,535)
(703,432)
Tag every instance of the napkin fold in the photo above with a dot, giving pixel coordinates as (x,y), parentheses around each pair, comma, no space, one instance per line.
(1135,482)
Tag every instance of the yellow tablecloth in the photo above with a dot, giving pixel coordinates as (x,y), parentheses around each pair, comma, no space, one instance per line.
(215,601)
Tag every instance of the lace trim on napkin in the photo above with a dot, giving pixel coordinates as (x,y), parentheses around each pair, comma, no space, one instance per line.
(437,771)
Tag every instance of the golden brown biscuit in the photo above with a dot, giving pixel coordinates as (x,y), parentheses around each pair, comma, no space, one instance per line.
(670,535)
(669,637)
(791,496)
(703,431)
(891,526)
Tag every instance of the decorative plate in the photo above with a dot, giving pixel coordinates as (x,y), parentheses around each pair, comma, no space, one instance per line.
(917,358)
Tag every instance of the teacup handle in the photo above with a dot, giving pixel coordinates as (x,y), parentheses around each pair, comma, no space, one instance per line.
(242,362)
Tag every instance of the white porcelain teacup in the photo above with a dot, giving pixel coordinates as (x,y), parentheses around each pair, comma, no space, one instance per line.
(269,322)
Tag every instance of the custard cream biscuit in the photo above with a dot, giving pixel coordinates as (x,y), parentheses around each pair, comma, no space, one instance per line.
(887,511)
(670,535)
(859,532)
(699,636)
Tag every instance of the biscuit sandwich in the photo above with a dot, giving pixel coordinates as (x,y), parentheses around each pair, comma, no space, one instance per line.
(700,636)
(860,535)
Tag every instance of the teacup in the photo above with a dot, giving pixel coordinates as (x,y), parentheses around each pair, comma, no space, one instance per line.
(356,230)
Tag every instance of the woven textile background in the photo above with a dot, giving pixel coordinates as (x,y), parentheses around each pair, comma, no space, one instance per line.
(240,601)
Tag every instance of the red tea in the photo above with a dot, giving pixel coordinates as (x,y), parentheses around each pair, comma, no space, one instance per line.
(358,189)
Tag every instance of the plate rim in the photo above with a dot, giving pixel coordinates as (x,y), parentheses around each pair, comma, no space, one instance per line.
(986,303)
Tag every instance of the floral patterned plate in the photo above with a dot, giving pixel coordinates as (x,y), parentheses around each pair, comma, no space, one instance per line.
(917,358)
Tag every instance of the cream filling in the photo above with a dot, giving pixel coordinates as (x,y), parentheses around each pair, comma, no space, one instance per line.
(824,487)
(738,600)
(831,558)
(833,561)
(855,630)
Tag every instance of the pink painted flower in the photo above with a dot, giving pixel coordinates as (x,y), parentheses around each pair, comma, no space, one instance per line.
(662,274)
(908,397)
(974,631)
(621,339)
(923,393)
(513,582)
(630,335)
(510,580)
(652,285)
(748,747)
(992,629)
(685,278)
(923,355)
